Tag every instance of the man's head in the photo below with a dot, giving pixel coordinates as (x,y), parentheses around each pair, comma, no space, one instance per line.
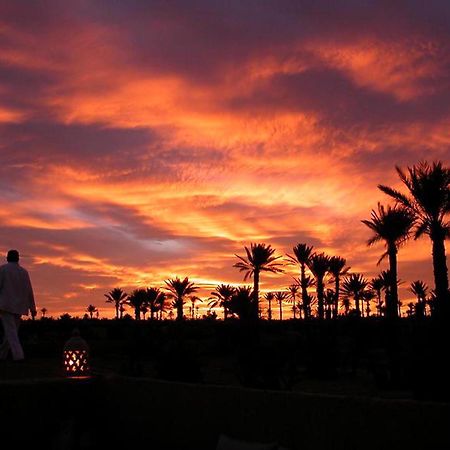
(12,256)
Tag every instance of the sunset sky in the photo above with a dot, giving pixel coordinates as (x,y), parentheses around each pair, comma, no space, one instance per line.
(143,140)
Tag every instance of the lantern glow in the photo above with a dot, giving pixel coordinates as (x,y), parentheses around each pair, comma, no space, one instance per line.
(76,357)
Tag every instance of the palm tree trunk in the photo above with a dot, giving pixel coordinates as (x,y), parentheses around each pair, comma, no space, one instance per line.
(392,307)
(256,292)
(440,276)
(117,310)
(293,309)
(304,291)
(179,308)
(137,313)
(270,310)
(281,309)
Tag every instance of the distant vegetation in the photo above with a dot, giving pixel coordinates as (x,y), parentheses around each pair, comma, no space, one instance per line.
(326,287)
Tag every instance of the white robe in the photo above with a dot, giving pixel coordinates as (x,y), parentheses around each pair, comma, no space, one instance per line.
(16,293)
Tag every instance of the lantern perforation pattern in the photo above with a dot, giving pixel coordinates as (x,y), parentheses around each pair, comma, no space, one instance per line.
(76,357)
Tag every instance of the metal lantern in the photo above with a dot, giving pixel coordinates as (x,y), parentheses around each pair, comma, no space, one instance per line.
(76,357)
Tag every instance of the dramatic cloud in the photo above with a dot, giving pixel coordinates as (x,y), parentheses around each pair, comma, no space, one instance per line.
(143,140)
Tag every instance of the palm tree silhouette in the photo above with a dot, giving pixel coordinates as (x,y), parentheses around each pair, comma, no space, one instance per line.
(269,296)
(319,265)
(161,304)
(368,296)
(243,304)
(420,289)
(222,295)
(260,258)
(302,254)
(280,297)
(377,285)
(429,199)
(354,286)
(154,300)
(292,296)
(194,299)
(393,226)
(137,299)
(44,311)
(91,309)
(179,290)
(338,269)
(116,296)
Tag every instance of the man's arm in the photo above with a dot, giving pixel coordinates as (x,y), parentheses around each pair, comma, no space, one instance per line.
(31,297)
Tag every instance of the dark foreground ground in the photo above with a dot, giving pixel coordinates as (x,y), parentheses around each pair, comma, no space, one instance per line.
(329,383)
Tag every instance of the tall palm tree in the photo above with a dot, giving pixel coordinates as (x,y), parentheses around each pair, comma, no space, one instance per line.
(260,258)
(319,265)
(354,286)
(44,311)
(420,289)
(280,297)
(179,290)
(302,254)
(292,297)
(243,304)
(116,296)
(137,299)
(428,199)
(221,297)
(377,285)
(393,226)
(337,268)
(91,309)
(269,296)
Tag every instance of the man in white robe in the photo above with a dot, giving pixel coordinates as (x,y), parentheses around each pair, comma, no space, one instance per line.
(16,299)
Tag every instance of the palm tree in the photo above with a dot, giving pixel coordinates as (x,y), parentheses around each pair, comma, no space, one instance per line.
(44,311)
(154,300)
(393,226)
(420,289)
(368,296)
(161,304)
(429,200)
(122,310)
(243,304)
(194,299)
(179,290)
(269,296)
(292,296)
(354,286)
(137,299)
(260,258)
(280,297)
(377,285)
(222,295)
(116,296)
(302,254)
(91,309)
(338,269)
(319,264)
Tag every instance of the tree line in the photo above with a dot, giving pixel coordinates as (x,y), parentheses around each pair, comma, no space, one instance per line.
(325,287)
